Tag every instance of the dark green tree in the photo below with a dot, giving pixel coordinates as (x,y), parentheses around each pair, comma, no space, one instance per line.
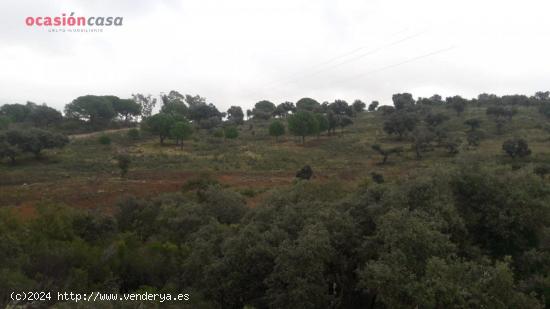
(516,147)
(402,101)
(373,105)
(96,110)
(303,124)
(16,112)
(385,153)
(457,103)
(284,109)
(276,129)
(473,123)
(323,124)
(160,125)
(126,109)
(44,116)
(308,105)
(123,162)
(173,103)
(235,115)
(400,123)
(231,132)
(263,110)
(358,106)
(180,131)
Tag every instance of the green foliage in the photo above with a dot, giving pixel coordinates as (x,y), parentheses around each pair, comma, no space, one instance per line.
(126,108)
(386,152)
(44,116)
(97,110)
(322,121)
(434,120)
(308,105)
(123,162)
(501,115)
(174,104)
(282,110)
(37,115)
(104,139)
(373,105)
(4,122)
(160,125)
(457,103)
(235,115)
(358,106)
(15,112)
(542,170)
(402,101)
(473,123)
(31,141)
(545,109)
(276,128)
(400,123)
(133,134)
(181,131)
(231,132)
(474,138)
(517,147)
(263,110)
(200,182)
(303,124)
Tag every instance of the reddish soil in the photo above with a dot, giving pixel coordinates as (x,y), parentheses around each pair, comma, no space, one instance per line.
(104,192)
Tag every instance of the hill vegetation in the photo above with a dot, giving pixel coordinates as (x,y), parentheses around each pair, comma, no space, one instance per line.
(429,203)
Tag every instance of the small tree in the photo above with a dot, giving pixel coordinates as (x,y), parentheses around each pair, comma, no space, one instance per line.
(344,121)
(104,139)
(8,151)
(373,106)
(358,106)
(473,123)
(434,120)
(160,125)
(474,138)
(501,116)
(123,162)
(385,153)
(235,115)
(517,147)
(542,170)
(231,132)
(4,122)
(276,129)
(400,123)
(180,131)
(457,103)
(36,140)
(322,122)
(303,124)
(422,142)
(133,134)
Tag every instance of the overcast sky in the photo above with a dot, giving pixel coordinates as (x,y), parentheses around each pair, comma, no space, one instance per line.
(241,51)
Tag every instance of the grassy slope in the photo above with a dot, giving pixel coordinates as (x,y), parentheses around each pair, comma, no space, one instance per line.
(84,174)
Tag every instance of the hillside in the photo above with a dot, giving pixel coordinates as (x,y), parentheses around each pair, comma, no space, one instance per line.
(419,205)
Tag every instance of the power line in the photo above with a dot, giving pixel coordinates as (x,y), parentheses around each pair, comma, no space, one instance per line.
(413,59)
(331,60)
(356,58)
